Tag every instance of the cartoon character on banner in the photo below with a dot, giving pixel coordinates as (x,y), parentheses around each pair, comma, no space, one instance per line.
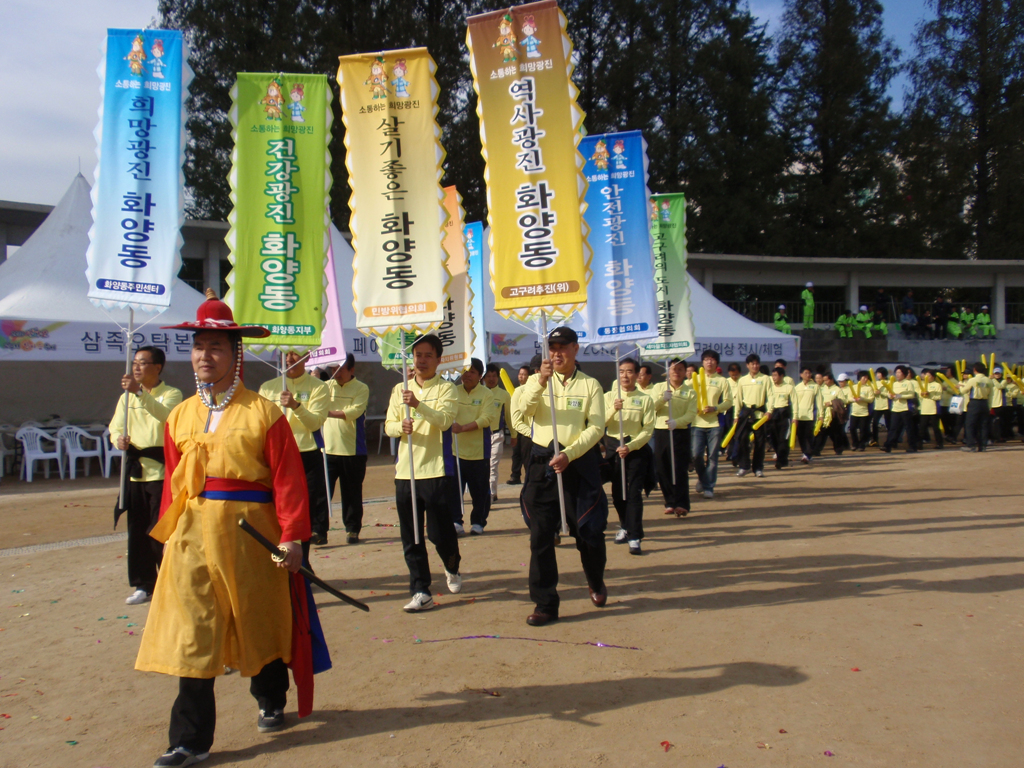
(274,100)
(297,107)
(619,149)
(530,42)
(600,156)
(506,42)
(401,85)
(665,216)
(137,55)
(654,210)
(157,51)
(378,80)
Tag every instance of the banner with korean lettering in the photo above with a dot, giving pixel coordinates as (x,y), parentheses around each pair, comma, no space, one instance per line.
(621,303)
(135,241)
(280,186)
(456,329)
(675,323)
(394,158)
(530,123)
(474,237)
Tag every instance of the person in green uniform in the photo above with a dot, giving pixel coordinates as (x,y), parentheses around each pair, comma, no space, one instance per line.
(808,297)
(862,321)
(967,322)
(782,320)
(878,324)
(983,322)
(844,324)
(953,327)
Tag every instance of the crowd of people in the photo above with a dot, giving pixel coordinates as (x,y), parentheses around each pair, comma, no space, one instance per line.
(273,459)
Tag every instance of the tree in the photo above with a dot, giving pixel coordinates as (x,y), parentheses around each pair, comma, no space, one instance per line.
(963,146)
(840,190)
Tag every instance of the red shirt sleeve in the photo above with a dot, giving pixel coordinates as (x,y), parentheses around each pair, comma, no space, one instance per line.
(291,497)
(171,458)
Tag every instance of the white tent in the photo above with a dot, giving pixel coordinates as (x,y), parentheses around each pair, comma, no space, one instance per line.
(45,314)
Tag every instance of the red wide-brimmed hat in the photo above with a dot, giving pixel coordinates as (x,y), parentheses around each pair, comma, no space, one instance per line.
(214,315)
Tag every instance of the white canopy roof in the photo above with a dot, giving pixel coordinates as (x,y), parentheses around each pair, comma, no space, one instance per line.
(45,279)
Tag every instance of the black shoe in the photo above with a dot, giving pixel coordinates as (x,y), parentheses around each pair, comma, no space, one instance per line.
(318,539)
(179,756)
(351,538)
(514,481)
(270,720)
(539,618)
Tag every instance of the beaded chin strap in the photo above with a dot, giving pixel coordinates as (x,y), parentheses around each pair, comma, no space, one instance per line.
(209,400)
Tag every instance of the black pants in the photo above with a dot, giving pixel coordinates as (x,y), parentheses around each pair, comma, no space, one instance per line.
(144,552)
(742,438)
(677,495)
(805,436)
(194,714)
(316,484)
(432,505)
(348,472)
(929,422)
(1002,423)
(521,455)
(540,500)
(836,433)
(976,425)
(900,422)
(476,475)
(780,426)
(630,511)
(860,431)
(949,423)
(877,416)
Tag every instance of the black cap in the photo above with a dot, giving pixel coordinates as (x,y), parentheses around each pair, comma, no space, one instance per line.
(563,334)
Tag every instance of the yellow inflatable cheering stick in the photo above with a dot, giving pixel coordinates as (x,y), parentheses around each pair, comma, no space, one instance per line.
(506,381)
(792,435)
(760,423)
(730,433)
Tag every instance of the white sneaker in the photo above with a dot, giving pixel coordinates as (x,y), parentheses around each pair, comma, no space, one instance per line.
(634,546)
(759,473)
(620,537)
(459,530)
(742,472)
(421,601)
(138,597)
(454,582)
(476,530)
(700,487)
(709,494)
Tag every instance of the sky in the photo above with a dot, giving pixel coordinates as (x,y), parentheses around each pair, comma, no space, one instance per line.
(49,53)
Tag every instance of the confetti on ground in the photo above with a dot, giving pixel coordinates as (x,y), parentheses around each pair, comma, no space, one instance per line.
(484,691)
(855,669)
(667,745)
(783,730)
(17,591)
(762,745)
(72,743)
(122,617)
(532,640)
(829,754)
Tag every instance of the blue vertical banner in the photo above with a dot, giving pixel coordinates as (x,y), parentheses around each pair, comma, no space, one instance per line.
(621,304)
(138,196)
(473,234)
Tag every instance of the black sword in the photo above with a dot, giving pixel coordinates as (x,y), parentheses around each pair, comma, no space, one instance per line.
(310,576)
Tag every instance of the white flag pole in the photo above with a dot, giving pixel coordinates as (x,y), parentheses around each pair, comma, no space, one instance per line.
(458,475)
(554,422)
(671,437)
(618,384)
(127,394)
(412,468)
(327,481)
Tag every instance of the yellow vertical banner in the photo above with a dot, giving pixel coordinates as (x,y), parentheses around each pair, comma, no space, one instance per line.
(530,127)
(394,156)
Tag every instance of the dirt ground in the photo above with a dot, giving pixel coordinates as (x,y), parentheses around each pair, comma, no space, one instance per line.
(864,612)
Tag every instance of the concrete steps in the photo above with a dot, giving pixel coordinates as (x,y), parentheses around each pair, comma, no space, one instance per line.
(824,347)
(1008,350)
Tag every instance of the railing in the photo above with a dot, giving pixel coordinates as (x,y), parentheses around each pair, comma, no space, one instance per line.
(762,311)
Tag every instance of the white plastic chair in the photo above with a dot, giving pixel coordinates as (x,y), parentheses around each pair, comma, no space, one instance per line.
(73,438)
(110,452)
(32,439)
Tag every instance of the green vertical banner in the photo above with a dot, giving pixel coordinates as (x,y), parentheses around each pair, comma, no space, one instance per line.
(280,186)
(671,281)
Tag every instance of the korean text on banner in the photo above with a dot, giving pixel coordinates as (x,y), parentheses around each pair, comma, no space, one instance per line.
(394,157)
(474,237)
(621,304)
(138,199)
(332,346)
(675,323)
(456,331)
(530,125)
(280,186)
